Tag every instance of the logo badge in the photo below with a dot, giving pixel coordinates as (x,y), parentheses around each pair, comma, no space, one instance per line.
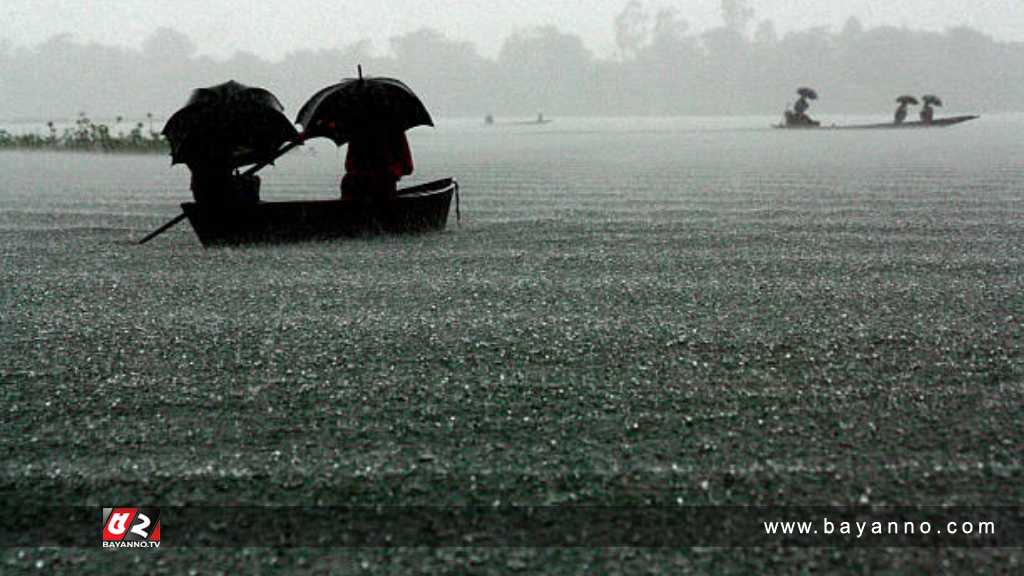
(131,528)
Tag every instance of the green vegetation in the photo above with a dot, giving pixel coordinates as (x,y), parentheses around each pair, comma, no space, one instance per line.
(88,136)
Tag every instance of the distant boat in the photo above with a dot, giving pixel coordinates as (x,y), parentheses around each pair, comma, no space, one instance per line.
(422,208)
(538,120)
(490,121)
(936,123)
(534,122)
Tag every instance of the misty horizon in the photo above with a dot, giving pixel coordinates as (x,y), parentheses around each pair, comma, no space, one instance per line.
(220,28)
(661,66)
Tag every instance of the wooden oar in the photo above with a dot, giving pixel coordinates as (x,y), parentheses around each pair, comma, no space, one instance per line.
(162,229)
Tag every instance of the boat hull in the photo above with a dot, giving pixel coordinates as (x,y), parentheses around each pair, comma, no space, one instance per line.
(417,209)
(937,123)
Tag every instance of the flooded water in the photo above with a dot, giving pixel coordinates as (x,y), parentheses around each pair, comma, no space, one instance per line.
(583,169)
(651,312)
(611,279)
(637,311)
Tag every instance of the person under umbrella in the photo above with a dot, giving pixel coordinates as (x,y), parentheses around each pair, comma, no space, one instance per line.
(798,115)
(901,111)
(374,163)
(222,128)
(927,112)
(371,115)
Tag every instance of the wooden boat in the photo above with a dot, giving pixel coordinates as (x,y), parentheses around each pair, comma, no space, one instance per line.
(420,208)
(936,123)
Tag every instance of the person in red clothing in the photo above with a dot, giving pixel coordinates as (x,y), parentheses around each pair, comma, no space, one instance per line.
(374,164)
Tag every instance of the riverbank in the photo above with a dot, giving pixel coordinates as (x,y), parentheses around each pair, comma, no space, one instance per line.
(86,135)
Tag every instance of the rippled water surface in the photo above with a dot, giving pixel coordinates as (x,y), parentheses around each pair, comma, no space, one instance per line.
(584,169)
(632,311)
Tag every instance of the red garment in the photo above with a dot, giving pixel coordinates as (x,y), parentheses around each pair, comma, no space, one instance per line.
(379,156)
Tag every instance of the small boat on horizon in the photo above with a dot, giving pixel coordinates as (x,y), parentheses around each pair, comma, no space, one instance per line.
(936,123)
(533,122)
(538,120)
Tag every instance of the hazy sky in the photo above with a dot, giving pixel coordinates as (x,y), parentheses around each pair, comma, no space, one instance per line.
(272,28)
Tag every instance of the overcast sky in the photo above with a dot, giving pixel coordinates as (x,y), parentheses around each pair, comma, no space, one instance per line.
(272,28)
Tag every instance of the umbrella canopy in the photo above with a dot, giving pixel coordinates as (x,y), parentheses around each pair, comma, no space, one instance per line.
(907,99)
(361,105)
(809,93)
(231,124)
(932,100)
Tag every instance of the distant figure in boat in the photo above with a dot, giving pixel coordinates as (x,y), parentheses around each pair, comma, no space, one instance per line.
(901,111)
(927,112)
(540,118)
(374,164)
(900,115)
(488,119)
(798,115)
(215,186)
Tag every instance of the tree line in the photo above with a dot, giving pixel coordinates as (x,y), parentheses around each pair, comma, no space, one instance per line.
(661,67)
(88,136)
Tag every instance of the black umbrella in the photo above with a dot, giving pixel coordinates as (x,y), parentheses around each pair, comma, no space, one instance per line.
(358,105)
(809,93)
(930,99)
(229,123)
(907,99)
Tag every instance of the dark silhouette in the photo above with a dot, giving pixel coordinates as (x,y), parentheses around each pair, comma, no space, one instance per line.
(901,111)
(927,111)
(798,115)
(210,182)
(216,186)
(900,115)
(371,115)
(220,129)
(224,127)
(421,208)
(374,164)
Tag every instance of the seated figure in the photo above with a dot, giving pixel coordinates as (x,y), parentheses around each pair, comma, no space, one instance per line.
(215,186)
(797,119)
(798,116)
(374,164)
(901,114)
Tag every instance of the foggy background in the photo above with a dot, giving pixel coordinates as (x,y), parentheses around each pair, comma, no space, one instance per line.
(712,57)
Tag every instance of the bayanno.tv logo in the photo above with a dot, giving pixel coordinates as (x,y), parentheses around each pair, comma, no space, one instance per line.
(131,527)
